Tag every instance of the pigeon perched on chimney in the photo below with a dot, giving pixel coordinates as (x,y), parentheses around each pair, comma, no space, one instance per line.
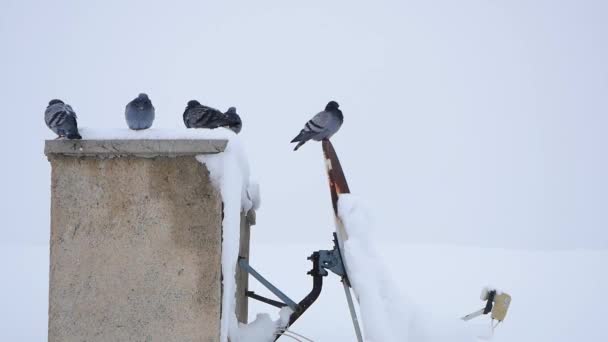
(197,115)
(232,120)
(61,119)
(139,113)
(321,126)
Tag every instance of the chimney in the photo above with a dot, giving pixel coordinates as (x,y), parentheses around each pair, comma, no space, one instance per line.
(136,242)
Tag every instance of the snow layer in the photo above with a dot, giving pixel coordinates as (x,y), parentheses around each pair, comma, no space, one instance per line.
(253,194)
(154,133)
(263,328)
(386,314)
(230,174)
(485,291)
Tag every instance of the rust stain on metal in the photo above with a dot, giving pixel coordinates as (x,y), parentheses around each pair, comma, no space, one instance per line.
(337,180)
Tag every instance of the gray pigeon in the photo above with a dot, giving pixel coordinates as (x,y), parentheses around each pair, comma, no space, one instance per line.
(61,119)
(139,113)
(197,115)
(232,120)
(322,126)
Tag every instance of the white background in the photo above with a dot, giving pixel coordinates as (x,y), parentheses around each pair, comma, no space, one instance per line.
(471,123)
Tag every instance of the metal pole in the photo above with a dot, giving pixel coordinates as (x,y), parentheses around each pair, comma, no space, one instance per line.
(353,313)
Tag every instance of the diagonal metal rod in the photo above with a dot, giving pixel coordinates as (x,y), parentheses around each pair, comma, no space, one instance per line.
(353,313)
(244,264)
(262,299)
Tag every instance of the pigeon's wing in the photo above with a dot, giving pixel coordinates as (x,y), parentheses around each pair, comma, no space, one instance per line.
(319,121)
(48,114)
(314,126)
(55,115)
(215,118)
(69,128)
(186,118)
(210,118)
(61,119)
(70,111)
(202,117)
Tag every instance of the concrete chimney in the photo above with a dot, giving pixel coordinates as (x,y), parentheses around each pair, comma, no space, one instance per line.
(136,239)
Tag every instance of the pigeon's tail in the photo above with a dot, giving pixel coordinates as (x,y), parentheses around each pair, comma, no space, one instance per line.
(302,136)
(297,138)
(300,144)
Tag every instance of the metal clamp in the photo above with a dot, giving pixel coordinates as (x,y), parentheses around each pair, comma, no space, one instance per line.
(331,260)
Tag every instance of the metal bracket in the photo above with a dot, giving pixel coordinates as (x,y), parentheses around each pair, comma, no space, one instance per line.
(245,265)
(263,299)
(331,260)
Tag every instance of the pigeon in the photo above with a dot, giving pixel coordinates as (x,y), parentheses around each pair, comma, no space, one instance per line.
(322,126)
(232,120)
(197,115)
(61,119)
(139,113)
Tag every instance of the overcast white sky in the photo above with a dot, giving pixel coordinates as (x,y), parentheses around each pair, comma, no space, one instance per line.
(478,122)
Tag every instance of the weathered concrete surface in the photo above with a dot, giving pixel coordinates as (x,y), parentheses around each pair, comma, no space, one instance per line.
(138,148)
(135,250)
